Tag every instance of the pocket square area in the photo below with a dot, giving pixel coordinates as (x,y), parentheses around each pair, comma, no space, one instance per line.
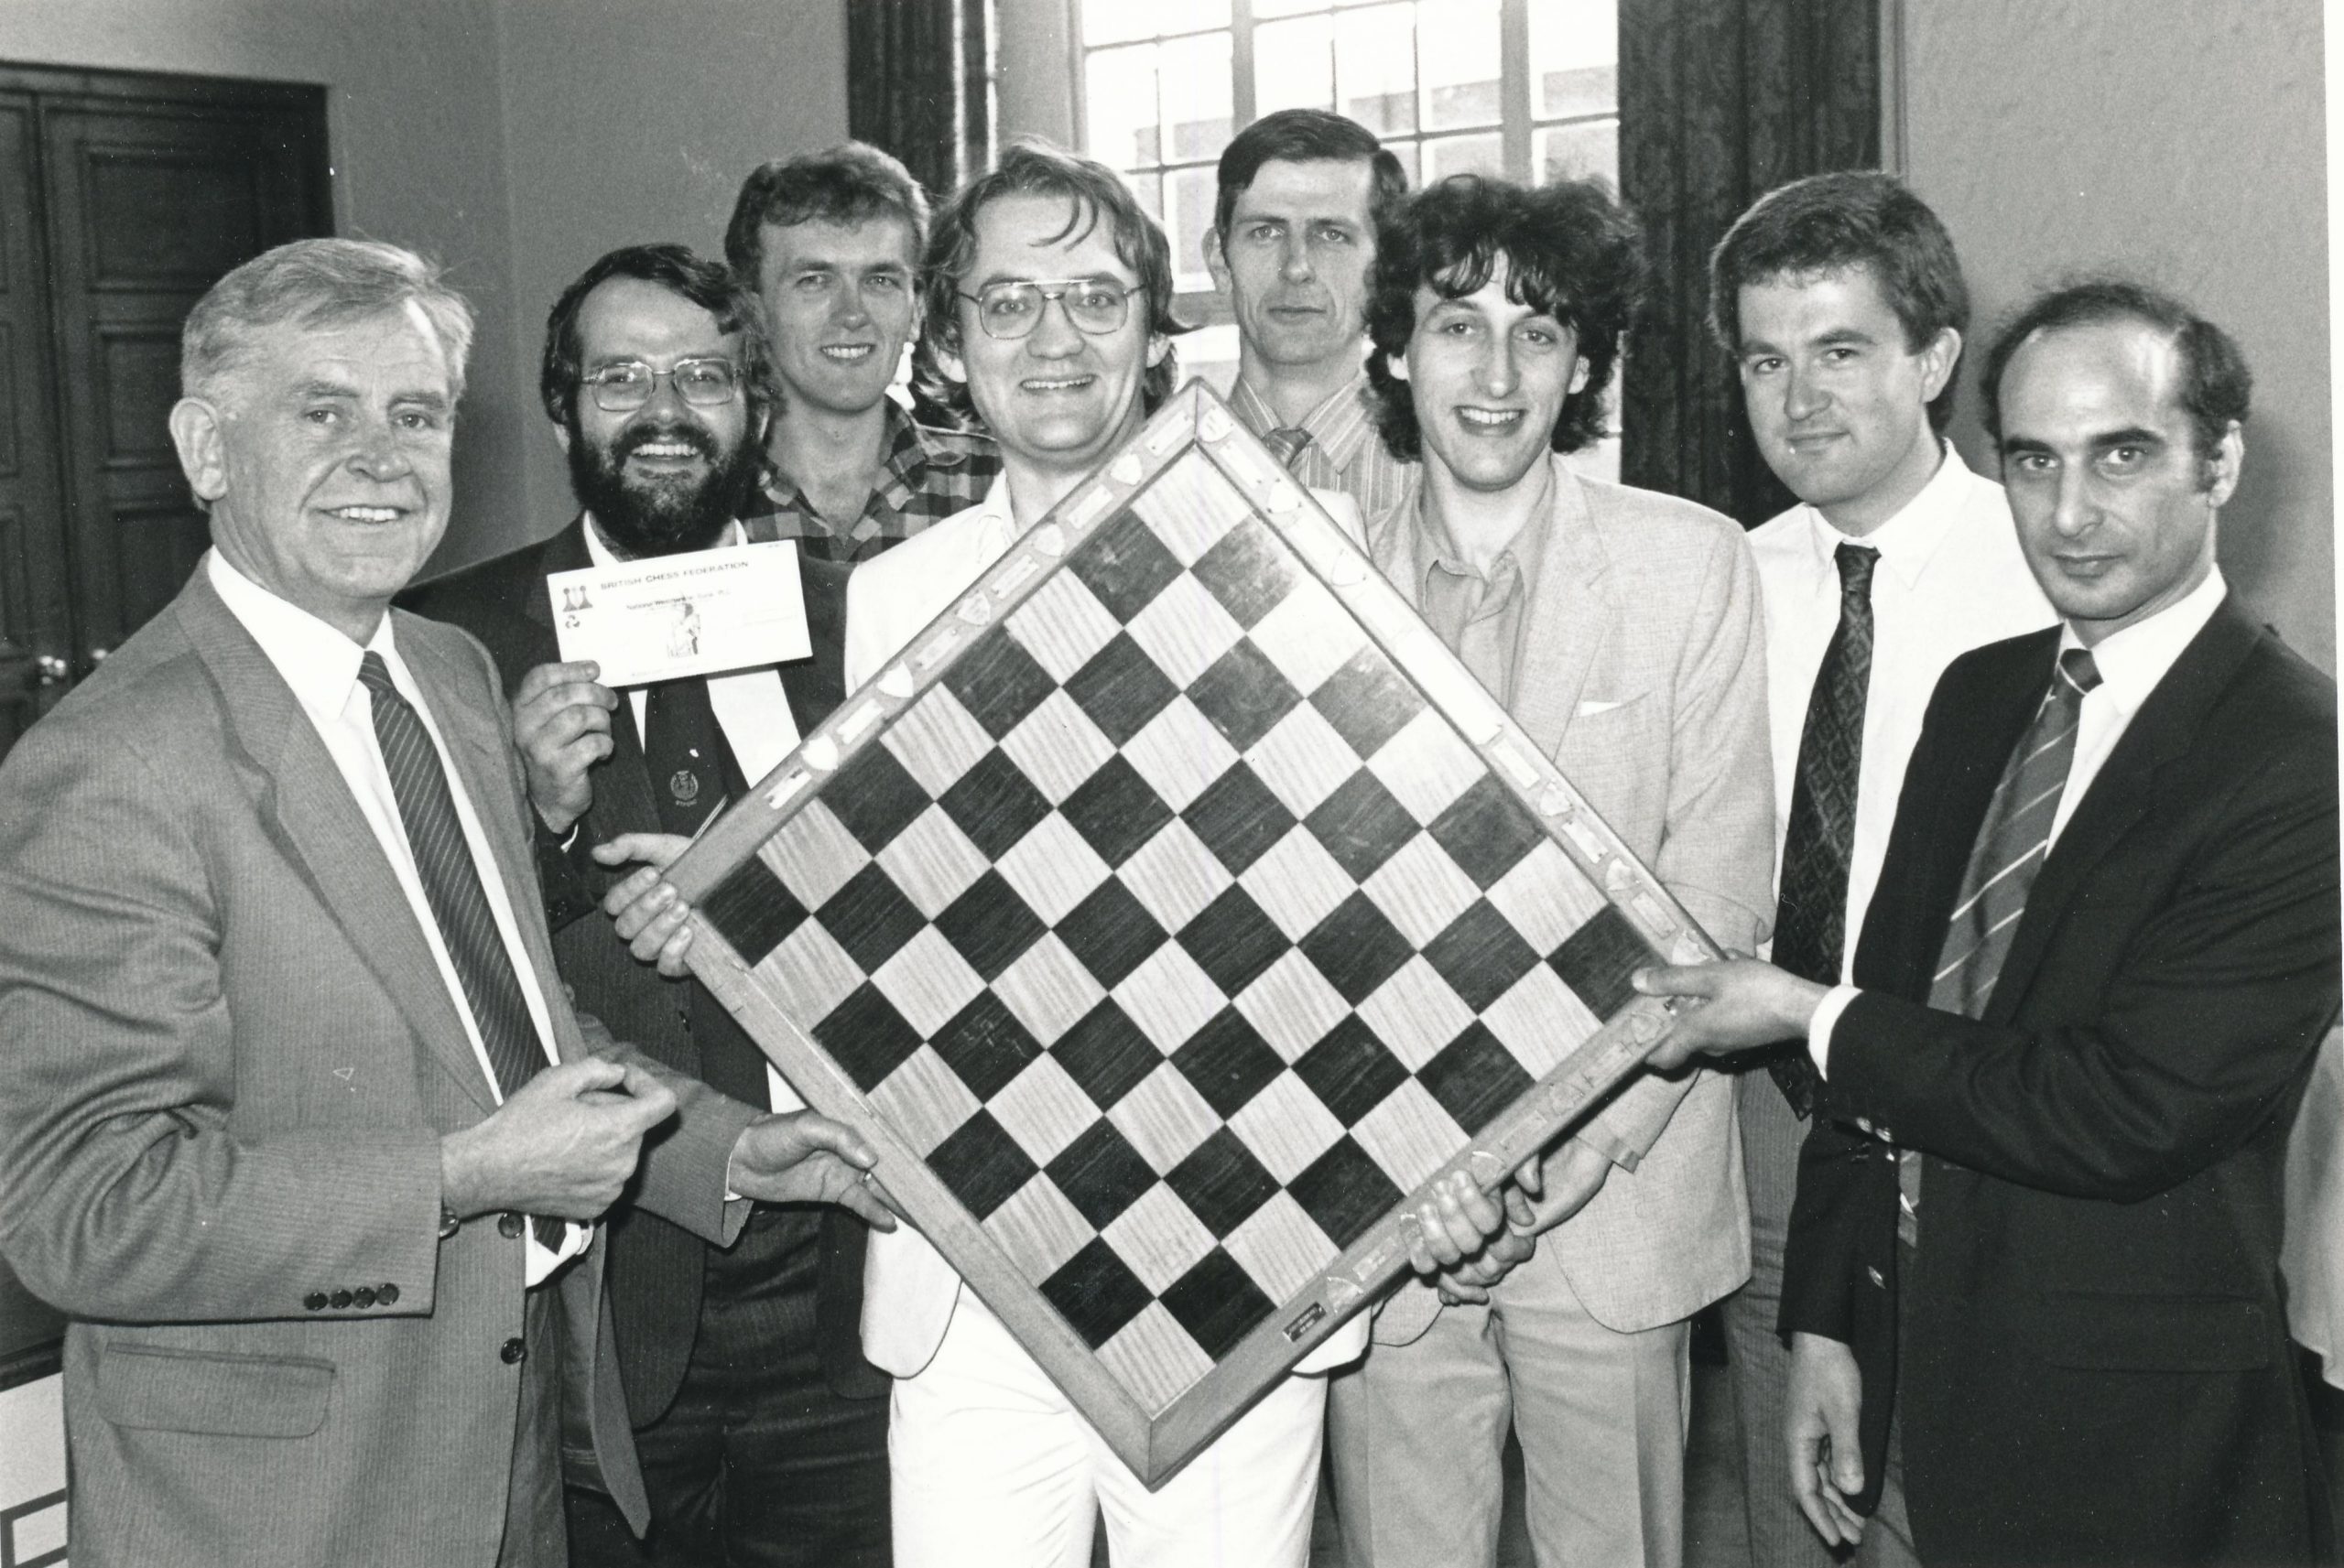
(1594,706)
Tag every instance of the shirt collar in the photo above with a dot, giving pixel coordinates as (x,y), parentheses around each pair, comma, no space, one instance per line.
(318,661)
(1436,547)
(996,520)
(2133,661)
(1339,427)
(1909,541)
(599,551)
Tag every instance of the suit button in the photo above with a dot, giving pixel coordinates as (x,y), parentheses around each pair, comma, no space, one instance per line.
(512,1351)
(341,1301)
(364,1295)
(508,1225)
(1876,1277)
(387,1294)
(315,1301)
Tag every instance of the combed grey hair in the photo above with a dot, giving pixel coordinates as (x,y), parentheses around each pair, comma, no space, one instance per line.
(322,283)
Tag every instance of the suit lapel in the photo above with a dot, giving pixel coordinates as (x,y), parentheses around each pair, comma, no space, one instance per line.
(1570,616)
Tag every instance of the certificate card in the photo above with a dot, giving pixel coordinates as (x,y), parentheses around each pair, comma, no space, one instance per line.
(692,614)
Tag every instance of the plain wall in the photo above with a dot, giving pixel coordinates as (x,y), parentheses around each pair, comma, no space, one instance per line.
(2181,140)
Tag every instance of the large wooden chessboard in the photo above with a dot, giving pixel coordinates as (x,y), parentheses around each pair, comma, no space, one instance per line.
(1176,909)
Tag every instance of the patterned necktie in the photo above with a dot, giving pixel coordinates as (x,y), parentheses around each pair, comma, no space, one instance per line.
(451,886)
(1810,920)
(1286,443)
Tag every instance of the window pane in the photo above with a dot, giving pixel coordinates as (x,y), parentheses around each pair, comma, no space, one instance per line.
(1150,190)
(1292,65)
(1193,192)
(1376,68)
(1464,155)
(1407,152)
(1195,74)
(1576,152)
(1119,101)
(1265,9)
(1116,21)
(1574,58)
(1459,43)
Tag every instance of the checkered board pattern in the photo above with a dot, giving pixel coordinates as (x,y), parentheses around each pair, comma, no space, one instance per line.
(1171,925)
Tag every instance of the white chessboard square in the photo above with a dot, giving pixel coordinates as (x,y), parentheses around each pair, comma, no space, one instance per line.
(814,855)
(936,741)
(1174,876)
(1296,883)
(1179,753)
(1292,1006)
(1053,869)
(1421,890)
(1057,747)
(933,861)
(1164,1118)
(1286,1127)
(927,981)
(1189,507)
(1415,1013)
(1309,636)
(1184,630)
(1154,1358)
(1281,1247)
(1427,766)
(1062,626)
(1159,1238)
(1541,1021)
(810,973)
(1545,897)
(1169,997)
(1409,1135)
(1043,1109)
(923,1100)
(1303,759)
(1038,1228)
(1047,989)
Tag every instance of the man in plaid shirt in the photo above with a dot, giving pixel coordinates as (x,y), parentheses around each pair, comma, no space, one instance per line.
(829,241)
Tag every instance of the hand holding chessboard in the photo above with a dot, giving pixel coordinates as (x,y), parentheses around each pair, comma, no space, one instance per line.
(1168,912)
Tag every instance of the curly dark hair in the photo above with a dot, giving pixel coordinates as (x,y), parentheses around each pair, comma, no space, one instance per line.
(1306,135)
(850,183)
(1570,250)
(707,284)
(1832,222)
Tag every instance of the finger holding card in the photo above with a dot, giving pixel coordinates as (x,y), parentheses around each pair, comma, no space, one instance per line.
(561,722)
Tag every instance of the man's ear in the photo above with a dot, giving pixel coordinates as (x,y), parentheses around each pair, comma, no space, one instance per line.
(1938,359)
(1216,261)
(945,352)
(561,434)
(1158,345)
(1397,365)
(197,433)
(2222,465)
(1580,373)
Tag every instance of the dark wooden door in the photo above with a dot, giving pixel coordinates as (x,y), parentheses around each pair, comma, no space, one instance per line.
(36,646)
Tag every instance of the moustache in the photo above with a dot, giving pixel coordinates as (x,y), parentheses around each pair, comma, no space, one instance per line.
(692,436)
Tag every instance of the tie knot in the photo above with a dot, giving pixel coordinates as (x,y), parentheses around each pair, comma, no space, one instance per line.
(375,674)
(1286,443)
(2077,668)
(1855,563)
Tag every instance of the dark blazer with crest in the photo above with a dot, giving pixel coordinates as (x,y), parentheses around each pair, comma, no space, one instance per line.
(656,1269)
(2098,1368)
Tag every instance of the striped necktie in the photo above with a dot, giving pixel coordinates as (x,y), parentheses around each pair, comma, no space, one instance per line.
(1286,443)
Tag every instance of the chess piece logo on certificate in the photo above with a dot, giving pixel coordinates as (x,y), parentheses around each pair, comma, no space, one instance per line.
(1167,912)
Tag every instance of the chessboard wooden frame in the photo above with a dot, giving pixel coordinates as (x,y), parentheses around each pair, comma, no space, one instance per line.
(1194,425)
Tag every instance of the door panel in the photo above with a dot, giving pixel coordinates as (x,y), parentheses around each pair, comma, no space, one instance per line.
(36,641)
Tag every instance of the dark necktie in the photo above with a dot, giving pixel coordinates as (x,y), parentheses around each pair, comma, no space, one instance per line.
(1286,443)
(451,886)
(1811,917)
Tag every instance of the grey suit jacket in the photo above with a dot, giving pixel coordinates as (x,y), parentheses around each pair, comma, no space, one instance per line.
(231,1058)
(1642,674)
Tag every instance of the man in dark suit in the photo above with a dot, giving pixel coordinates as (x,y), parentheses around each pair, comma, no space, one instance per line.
(761,1429)
(2033,1279)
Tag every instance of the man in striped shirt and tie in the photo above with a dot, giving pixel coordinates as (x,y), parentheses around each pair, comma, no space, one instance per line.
(2032,1278)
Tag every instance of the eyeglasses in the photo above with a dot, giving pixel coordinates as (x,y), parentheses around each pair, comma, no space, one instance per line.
(1013,308)
(627,386)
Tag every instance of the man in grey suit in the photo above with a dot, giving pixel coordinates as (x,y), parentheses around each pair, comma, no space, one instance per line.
(298,1133)
(1621,628)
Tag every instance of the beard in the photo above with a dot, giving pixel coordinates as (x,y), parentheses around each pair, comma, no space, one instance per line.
(667,514)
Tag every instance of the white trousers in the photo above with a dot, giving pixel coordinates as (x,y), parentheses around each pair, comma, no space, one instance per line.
(992,1468)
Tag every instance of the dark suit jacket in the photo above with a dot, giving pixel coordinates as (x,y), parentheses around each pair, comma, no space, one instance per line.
(2098,1368)
(654,1268)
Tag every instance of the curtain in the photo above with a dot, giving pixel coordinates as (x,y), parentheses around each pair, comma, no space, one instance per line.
(920,85)
(1721,101)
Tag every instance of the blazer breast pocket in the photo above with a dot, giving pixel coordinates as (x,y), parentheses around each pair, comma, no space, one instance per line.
(219,1393)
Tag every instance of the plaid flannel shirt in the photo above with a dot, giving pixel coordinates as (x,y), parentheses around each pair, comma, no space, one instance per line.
(926,476)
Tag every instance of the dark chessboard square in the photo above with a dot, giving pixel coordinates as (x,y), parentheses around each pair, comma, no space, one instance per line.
(751,910)
(1228,1062)
(1356,947)
(1486,831)
(1474,1077)
(865,1036)
(985,1045)
(1345,1191)
(1115,810)
(981,1163)
(1218,1303)
(1243,695)
(990,926)
(994,803)
(1598,959)
(1349,1070)
(1360,825)
(1248,570)
(875,796)
(1096,1292)
(1480,955)
(871,917)
(1238,818)
(1222,1183)
(1232,941)
(1111,932)
(998,682)
(1121,688)
(1124,565)
(1106,1053)
(1367,701)
(1101,1173)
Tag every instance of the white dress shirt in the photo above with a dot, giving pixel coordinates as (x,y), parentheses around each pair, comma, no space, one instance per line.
(321,666)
